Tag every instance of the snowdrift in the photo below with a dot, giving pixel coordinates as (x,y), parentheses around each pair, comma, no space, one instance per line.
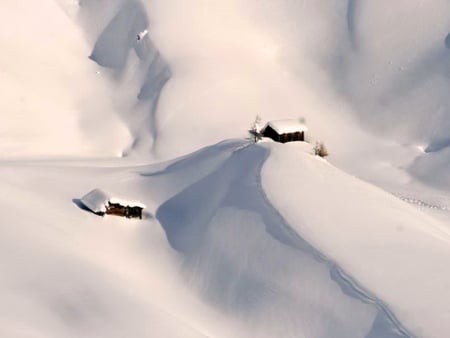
(393,249)
(242,256)
(217,259)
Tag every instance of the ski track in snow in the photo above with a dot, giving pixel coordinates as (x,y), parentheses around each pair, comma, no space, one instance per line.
(421,203)
(189,236)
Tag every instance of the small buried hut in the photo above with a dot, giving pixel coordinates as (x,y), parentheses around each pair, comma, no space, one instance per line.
(285,130)
(101,203)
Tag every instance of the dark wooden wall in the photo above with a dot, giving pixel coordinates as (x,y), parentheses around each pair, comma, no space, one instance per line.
(120,210)
(283,138)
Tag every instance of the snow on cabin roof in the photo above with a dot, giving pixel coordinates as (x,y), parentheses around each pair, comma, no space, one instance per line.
(287,126)
(116,200)
(97,201)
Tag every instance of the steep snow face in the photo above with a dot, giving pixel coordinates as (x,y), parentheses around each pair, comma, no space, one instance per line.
(240,255)
(204,78)
(329,61)
(387,62)
(393,73)
(226,70)
(50,90)
(432,168)
(396,71)
(340,64)
(391,248)
(133,63)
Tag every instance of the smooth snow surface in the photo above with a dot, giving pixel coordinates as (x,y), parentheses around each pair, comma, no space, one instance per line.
(392,248)
(96,200)
(53,102)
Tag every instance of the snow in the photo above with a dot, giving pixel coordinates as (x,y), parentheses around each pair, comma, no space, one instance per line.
(244,240)
(244,258)
(142,34)
(230,268)
(128,203)
(96,200)
(392,240)
(287,126)
(46,81)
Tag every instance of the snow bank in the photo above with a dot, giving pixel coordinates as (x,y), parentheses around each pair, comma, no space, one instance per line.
(240,255)
(68,273)
(390,247)
(219,259)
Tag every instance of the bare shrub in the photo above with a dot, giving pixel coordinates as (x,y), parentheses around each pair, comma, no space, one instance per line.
(255,130)
(320,150)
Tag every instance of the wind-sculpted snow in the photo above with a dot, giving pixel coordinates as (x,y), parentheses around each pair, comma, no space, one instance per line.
(119,37)
(117,48)
(380,240)
(432,168)
(236,242)
(347,66)
(241,256)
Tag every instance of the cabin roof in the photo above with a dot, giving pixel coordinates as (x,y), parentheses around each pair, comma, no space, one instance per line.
(287,126)
(126,203)
(97,201)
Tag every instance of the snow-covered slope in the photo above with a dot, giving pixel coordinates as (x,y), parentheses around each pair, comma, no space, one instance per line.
(342,65)
(392,248)
(239,239)
(53,101)
(234,262)
(220,252)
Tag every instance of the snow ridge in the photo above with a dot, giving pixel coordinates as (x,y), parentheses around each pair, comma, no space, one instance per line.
(137,63)
(210,243)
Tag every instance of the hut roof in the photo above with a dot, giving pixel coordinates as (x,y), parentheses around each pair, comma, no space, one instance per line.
(97,201)
(126,203)
(287,126)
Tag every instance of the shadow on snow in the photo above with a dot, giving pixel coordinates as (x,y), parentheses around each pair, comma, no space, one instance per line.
(243,257)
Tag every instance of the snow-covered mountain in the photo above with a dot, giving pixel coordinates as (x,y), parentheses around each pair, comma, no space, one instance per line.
(152,100)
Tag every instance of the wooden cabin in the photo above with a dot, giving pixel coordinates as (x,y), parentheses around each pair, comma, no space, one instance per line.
(102,204)
(128,209)
(285,130)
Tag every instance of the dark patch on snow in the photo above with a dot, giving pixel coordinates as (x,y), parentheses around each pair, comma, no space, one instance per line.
(438,145)
(80,205)
(351,21)
(447,41)
(112,50)
(119,37)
